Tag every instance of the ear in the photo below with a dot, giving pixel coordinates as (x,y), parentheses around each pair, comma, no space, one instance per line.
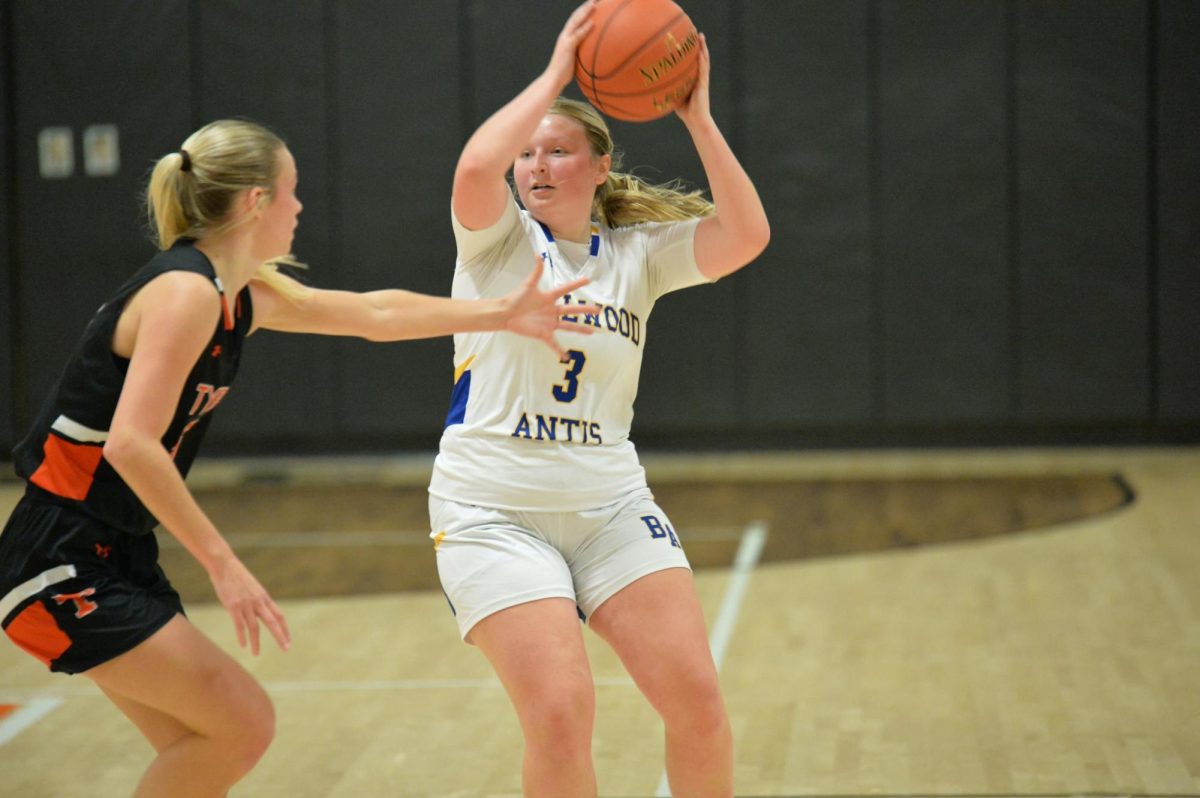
(254,199)
(602,168)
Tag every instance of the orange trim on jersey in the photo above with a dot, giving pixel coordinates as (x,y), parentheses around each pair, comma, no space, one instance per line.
(8,709)
(36,631)
(67,469)
(225,312)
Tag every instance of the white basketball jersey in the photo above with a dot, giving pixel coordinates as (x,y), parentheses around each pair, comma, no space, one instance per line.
(526,431)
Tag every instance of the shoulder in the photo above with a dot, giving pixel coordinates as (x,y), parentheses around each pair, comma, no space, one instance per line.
(182,295)
(649,237)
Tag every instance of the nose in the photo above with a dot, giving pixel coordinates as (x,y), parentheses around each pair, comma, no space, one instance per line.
(539,163)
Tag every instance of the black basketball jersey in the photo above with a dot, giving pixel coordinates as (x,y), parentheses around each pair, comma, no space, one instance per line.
(63,453)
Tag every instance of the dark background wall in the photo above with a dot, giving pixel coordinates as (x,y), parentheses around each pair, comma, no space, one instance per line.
(985,215)
(8,326)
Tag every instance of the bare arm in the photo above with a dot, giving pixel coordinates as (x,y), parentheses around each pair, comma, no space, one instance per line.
(739,231)
(169,323)
(480,191)
(395,315)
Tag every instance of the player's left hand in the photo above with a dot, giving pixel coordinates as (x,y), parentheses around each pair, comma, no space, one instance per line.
(696,106)
(534,313)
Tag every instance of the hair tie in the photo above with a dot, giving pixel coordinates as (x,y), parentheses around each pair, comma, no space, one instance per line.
(187,161)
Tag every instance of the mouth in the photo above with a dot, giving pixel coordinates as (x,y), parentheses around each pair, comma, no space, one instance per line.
(540,189)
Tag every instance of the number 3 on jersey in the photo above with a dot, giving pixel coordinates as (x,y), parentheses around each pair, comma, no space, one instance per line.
(574,360)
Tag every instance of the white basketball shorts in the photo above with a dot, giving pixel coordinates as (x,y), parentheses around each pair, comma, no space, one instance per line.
(490,559)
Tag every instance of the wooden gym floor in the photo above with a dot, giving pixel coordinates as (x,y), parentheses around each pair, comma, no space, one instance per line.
(1000,623)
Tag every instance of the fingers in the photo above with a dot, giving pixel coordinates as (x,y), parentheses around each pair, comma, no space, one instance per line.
(277,625)
(239,624)
(536,274)
(247,618)
(559,292)
(558,350)
(253,624)
(574,327)
(578,23)
(579,310)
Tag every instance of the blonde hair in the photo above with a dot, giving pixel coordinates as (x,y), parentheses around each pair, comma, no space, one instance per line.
(624,199)
(223,158)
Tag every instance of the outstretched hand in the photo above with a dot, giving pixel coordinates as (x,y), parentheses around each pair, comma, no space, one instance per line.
(248,603)
(697,106)
(534,313)
(562,62)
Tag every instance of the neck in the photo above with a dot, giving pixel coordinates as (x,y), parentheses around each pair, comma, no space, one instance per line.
(232,260)
(576,234)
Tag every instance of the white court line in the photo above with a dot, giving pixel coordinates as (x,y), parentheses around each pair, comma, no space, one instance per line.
(744,562)
(56,695)
(26,716)
(355,538)
(41,702)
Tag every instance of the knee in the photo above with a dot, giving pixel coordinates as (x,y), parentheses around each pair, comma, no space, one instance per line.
(248,726)
(694,704)
(561,718)
(257,730)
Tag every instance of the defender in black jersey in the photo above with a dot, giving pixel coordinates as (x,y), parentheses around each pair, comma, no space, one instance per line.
(80,585)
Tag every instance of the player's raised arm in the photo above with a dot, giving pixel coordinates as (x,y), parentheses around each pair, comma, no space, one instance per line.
(480,192)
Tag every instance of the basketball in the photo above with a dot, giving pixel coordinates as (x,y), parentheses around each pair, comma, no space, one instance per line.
(640,59)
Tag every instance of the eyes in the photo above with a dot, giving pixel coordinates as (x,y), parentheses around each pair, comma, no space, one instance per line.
(526,154)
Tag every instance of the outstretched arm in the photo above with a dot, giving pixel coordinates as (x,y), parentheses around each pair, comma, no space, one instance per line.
(396,315)
(480,191)
(739,231)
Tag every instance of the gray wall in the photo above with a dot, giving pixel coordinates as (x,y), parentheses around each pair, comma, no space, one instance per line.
(984,214)
(8,327)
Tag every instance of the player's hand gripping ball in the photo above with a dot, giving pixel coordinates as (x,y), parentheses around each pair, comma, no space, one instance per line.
(640,59)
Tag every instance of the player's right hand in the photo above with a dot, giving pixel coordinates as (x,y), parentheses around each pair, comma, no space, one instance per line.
(562,62)
(248,602)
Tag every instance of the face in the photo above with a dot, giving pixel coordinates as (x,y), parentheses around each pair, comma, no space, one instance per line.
(279,211)
(556,175)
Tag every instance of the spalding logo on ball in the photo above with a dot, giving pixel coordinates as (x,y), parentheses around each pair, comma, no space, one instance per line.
(640,59)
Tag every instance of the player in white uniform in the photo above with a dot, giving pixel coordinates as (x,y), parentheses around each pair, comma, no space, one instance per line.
(539,508)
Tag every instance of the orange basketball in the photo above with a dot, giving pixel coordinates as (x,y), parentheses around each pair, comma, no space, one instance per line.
(640,59)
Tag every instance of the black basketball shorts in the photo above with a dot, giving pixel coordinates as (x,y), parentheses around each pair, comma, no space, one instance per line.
(75,593)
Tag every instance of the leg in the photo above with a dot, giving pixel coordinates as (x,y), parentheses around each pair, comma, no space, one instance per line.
(159,728)
(208,718)
(537,651)
(656,627)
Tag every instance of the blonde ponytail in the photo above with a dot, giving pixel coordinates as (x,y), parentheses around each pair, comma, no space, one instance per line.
(191,191)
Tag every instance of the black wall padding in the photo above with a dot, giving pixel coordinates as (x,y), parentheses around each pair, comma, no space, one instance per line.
(80,237)
(808,347)
(690,371)
(8,327)
(942,270)
(397,133)
(1083,310)
(1178,233)
(985,216)
(247,67)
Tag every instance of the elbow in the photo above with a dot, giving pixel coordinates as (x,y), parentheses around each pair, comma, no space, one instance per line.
(119,449)
(759,238)
(472,169)
(753,243)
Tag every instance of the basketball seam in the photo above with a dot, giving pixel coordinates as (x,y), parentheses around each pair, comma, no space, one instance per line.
(682,76)
(650,42)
